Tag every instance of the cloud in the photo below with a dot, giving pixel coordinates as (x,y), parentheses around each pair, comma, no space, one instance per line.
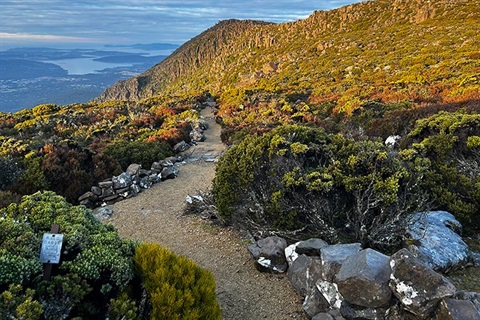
(134,21)
(41,37)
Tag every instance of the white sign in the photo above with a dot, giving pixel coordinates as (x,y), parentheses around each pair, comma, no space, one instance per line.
(51,248)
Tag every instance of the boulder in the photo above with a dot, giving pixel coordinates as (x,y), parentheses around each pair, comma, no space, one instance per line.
(436,241)
(291,254)
(169,173)
(135,190)
(351,312)
(452,309)
(143,173)
(156,167)
(133,169)
(314,303)
(122,181)
(304,273)
(363,279)
(330,292)
(154,178)
(418,287)
(269,254)
(106,192)
(333,256)
(103,213)
(473,297)
(310,247)
(197,135)
(181,147)
(96,190)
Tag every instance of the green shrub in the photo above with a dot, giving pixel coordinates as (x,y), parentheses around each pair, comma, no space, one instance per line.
(141,152)
(96,265)
(176,286)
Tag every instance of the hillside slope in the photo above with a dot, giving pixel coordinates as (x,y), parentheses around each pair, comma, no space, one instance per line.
(393,50)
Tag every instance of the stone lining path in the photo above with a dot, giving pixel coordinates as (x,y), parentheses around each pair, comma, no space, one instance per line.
(156,215)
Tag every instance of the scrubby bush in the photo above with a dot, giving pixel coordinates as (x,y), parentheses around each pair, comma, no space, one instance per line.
(141,152)
(297,180)
(95,267)
(177,288)
(99,275)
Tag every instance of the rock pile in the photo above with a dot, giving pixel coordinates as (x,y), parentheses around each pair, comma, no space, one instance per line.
(130,183)
(344,281)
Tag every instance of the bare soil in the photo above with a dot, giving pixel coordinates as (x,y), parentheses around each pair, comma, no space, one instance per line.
(157,215)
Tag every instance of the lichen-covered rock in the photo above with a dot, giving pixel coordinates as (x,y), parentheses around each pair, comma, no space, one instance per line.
(304,273)
(310,247)
(333,256)
(330,292)
(123,180)
(103,213)
(452,309)
(363,279)
(437,242)
(418,287)
(269,254)
(291,254)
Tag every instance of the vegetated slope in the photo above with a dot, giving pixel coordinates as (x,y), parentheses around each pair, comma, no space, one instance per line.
(392,50)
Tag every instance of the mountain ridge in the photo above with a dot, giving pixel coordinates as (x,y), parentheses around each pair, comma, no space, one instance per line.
(240,53)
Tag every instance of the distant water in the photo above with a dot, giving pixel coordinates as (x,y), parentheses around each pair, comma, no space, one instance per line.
(79,66)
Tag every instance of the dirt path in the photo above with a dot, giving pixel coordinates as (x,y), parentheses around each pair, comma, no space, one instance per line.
(155,215)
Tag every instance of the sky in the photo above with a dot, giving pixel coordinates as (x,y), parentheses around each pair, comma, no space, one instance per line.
(94,23)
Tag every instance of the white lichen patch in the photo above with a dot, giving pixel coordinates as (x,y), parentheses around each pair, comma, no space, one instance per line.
(408,292)
(290,253)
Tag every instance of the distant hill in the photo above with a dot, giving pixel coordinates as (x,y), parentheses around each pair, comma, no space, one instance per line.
(392,50)
(23,69)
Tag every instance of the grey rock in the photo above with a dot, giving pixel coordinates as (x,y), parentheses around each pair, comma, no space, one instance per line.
(350,312)
(169,173)
(103,213)
(111,198)
(323,316)
(135,190)
(473,297)
(437,243)
(85,196)
(451,309)
(304,273)
(122,181)
(154,178)
(106,192)
(290,253)
(105,184)
(96,190)
(143,173)
(314,303)
(87,203)
(156,167)
(269,254)
(145,183)
(333,256)
(197,135)
(418,287)
(181,147)
(133,169)
(330,292)
(363,279)
(310,247)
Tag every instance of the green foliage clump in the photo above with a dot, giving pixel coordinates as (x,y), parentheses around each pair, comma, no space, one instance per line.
(177,288)
(95,264)
(297,180)
(141,152)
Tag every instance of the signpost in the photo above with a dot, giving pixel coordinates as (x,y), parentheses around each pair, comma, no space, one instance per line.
(51,250)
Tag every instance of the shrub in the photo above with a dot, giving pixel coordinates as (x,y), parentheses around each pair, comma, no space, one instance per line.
(141,152)
(177,287)
(95,267)
(300,181)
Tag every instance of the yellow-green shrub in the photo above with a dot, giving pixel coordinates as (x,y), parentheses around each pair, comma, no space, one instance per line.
(176,286)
